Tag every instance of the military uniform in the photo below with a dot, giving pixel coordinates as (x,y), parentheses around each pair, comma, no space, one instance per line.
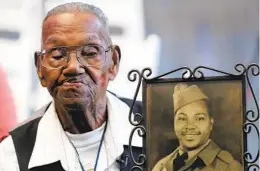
(211,158)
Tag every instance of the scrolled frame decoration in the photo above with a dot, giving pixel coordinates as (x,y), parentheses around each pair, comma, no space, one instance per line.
(251,115)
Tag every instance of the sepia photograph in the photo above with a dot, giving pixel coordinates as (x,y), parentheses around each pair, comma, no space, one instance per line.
(194,125)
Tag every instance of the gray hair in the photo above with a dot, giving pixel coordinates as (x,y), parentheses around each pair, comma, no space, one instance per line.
(79,7)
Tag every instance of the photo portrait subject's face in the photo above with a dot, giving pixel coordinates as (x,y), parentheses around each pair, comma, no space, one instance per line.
(73,29)
(193,125)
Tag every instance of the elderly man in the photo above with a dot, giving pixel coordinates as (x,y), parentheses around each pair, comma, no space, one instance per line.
(193,124)
(84,128)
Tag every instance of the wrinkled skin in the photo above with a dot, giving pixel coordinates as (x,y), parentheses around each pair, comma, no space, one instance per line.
(79,92)
(193,125)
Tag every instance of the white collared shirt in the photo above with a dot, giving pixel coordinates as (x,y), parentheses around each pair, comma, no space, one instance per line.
(52,144)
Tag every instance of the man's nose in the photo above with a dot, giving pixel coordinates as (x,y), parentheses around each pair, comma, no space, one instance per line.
(190,125)
(73,67)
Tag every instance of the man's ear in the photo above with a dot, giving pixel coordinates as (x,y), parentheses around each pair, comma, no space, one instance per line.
(38,68)
(212,123)
(114,67)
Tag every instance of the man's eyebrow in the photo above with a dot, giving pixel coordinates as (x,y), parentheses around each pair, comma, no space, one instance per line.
(183,114)
(54,40)
(200,114)
(90,39)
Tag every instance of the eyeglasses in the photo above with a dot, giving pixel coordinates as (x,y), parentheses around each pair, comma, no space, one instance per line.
(87,55)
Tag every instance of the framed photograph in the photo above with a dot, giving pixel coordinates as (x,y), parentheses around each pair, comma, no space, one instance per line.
(197,122)
(201,118)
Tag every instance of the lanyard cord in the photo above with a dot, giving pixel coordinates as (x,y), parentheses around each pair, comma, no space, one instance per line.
(98,153)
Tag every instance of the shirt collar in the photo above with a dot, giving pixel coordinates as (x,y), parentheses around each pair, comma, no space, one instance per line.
(52,145)
(193,153)
(209,153)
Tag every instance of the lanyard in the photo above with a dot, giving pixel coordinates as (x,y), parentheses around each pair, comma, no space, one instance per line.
(98,153)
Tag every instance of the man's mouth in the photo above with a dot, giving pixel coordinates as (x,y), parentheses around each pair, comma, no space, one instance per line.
(190,133)
(73,84)
(190,136)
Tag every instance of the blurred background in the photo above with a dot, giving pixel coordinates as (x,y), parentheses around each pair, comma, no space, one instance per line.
(163,35)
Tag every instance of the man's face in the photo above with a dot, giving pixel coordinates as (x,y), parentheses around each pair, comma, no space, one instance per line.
(75,83)
(193,125)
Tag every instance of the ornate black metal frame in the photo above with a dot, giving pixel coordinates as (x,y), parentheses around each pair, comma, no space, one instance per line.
(251,115)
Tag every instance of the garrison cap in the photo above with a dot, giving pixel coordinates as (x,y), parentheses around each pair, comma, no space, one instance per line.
(185,94)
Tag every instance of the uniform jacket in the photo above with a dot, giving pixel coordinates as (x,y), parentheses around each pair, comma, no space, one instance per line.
(36,144)
(211,158)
